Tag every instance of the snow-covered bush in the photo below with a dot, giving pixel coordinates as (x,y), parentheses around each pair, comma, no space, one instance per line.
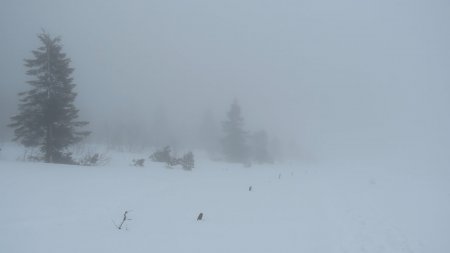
(173,161)
(165,156)
(89,160)
(93,159)
(162,156)
(187,161)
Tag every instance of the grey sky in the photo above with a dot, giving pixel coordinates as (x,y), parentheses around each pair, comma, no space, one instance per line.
(333,76)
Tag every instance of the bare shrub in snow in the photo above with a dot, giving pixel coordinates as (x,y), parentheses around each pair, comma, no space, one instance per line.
(138,162)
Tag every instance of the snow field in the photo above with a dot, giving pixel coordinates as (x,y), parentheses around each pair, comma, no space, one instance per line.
(309,208)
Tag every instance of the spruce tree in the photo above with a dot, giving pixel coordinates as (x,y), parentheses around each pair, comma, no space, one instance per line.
(47,115)
(234,142)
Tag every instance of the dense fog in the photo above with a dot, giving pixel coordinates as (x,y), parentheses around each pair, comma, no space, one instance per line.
(348,80)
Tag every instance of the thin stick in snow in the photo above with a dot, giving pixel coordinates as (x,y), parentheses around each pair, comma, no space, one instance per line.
(123,220)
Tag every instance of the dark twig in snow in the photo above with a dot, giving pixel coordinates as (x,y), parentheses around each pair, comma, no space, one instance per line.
(125,218)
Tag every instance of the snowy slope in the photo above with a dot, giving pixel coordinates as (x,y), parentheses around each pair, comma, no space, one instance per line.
(291,208)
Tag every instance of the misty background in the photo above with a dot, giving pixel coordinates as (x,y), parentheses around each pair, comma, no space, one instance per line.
(349,80)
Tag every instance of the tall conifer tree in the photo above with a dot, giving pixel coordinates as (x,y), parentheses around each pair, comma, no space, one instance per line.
(234,142)
(47,116)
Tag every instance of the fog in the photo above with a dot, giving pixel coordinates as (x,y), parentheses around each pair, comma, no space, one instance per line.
(344,80)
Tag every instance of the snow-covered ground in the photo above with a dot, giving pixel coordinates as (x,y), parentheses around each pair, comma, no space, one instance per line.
(293,207)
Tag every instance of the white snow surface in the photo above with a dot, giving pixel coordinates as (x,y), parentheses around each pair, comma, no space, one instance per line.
(293,207)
